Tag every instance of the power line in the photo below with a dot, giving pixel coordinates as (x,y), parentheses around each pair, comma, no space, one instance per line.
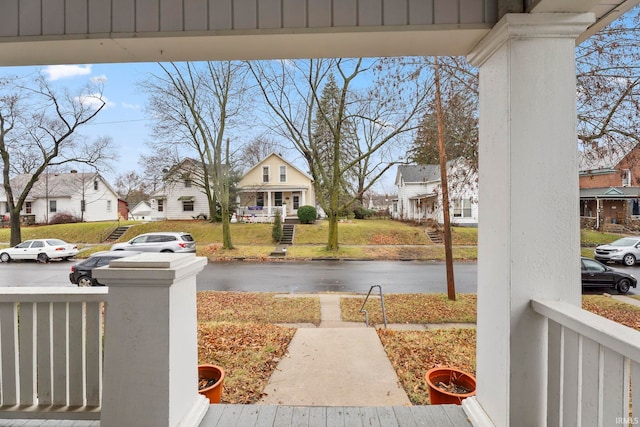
(116,122)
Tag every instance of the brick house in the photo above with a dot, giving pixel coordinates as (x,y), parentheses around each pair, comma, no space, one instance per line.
(610,186)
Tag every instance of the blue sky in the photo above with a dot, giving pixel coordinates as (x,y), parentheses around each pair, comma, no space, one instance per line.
(123,118)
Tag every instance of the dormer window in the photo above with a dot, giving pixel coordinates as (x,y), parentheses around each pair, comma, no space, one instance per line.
(626,178)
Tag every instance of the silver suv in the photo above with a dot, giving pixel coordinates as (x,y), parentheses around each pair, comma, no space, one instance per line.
(167,241)
(625,250)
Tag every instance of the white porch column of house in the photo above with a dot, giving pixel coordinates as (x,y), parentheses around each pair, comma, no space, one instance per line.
(529,237)
(303,198)
(151,343)
(269,213)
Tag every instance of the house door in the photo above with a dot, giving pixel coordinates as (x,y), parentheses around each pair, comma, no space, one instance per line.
(296,203)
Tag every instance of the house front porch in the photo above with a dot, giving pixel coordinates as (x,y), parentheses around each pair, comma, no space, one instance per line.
(258,205)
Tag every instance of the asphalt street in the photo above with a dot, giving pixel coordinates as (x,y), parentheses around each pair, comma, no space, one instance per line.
(292,277)
(296,277)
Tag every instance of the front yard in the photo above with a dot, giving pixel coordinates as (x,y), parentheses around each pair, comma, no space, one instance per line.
(238,331)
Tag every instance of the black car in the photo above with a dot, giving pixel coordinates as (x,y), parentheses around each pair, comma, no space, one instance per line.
(81,273)
(596,274)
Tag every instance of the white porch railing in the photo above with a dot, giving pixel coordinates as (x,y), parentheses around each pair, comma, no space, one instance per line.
(266,214)
(51,351)
(592,363)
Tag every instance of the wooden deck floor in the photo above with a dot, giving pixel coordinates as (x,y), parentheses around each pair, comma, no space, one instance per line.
(334,416)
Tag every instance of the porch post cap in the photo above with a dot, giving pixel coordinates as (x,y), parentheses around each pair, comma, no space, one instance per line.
(150,269)
(533,25)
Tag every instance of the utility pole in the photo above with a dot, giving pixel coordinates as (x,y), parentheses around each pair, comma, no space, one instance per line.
(451,287)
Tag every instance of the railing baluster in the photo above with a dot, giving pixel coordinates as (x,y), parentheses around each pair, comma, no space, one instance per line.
(635,385)
(590,380)
(27,371)
(76,354)
(554,373)
(9,348)
(59,352)
(570,382)
(615,387)
(93,353)
(43,352)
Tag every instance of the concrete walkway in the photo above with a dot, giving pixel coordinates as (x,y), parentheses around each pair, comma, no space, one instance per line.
(337,364)
(628,300)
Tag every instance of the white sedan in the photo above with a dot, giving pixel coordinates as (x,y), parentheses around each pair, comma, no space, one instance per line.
(41,250)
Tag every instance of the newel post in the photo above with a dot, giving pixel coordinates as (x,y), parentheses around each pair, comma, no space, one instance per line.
(150,343)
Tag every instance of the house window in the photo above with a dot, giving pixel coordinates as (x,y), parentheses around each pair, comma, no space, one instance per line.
(108,205)
(187,183)
(187,205)
(95,184)
(160,205)
(83,205)
(265,174)
(27,207)
(635,207)
(278,198)
(626,178)
(53,206)
(260,199)
(283,173)
(462,208)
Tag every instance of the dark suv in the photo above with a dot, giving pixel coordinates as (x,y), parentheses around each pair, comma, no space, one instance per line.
(81,273)
(162,241)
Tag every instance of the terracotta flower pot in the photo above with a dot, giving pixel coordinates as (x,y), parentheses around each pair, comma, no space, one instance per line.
(450,377)
(210,382)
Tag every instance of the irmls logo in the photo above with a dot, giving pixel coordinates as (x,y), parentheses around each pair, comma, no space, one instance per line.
(628,420)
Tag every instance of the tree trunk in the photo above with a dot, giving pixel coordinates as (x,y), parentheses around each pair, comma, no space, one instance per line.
(332,241)
(16,232)
(226,230)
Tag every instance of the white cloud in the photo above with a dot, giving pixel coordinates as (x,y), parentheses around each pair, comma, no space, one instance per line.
(57,72)
(94,100)
(99,79)
(130,106)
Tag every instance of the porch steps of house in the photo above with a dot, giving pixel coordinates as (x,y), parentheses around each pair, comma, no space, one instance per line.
(614,228)
(436,236)
(117,233)
(288,231)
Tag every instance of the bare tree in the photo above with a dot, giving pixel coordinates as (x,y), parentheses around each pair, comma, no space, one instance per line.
(258,149)
(38,129)
(608,74)
(197,105)
(321,125)
(133,187)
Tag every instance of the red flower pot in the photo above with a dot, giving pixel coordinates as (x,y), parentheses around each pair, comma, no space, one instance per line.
(210,382)
(452,377)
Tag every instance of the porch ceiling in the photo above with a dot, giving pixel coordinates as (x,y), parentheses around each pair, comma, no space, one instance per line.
(111,46)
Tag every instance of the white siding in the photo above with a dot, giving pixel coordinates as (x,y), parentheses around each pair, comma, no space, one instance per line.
(173,208)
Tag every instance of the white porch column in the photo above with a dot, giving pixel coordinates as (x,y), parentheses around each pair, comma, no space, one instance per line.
(151,345)
(303,198)
(529,237)
(269,204)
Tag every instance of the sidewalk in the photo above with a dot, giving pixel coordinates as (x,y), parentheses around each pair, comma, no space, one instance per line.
(336,364)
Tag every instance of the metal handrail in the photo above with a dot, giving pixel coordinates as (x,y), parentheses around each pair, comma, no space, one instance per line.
(366,314)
